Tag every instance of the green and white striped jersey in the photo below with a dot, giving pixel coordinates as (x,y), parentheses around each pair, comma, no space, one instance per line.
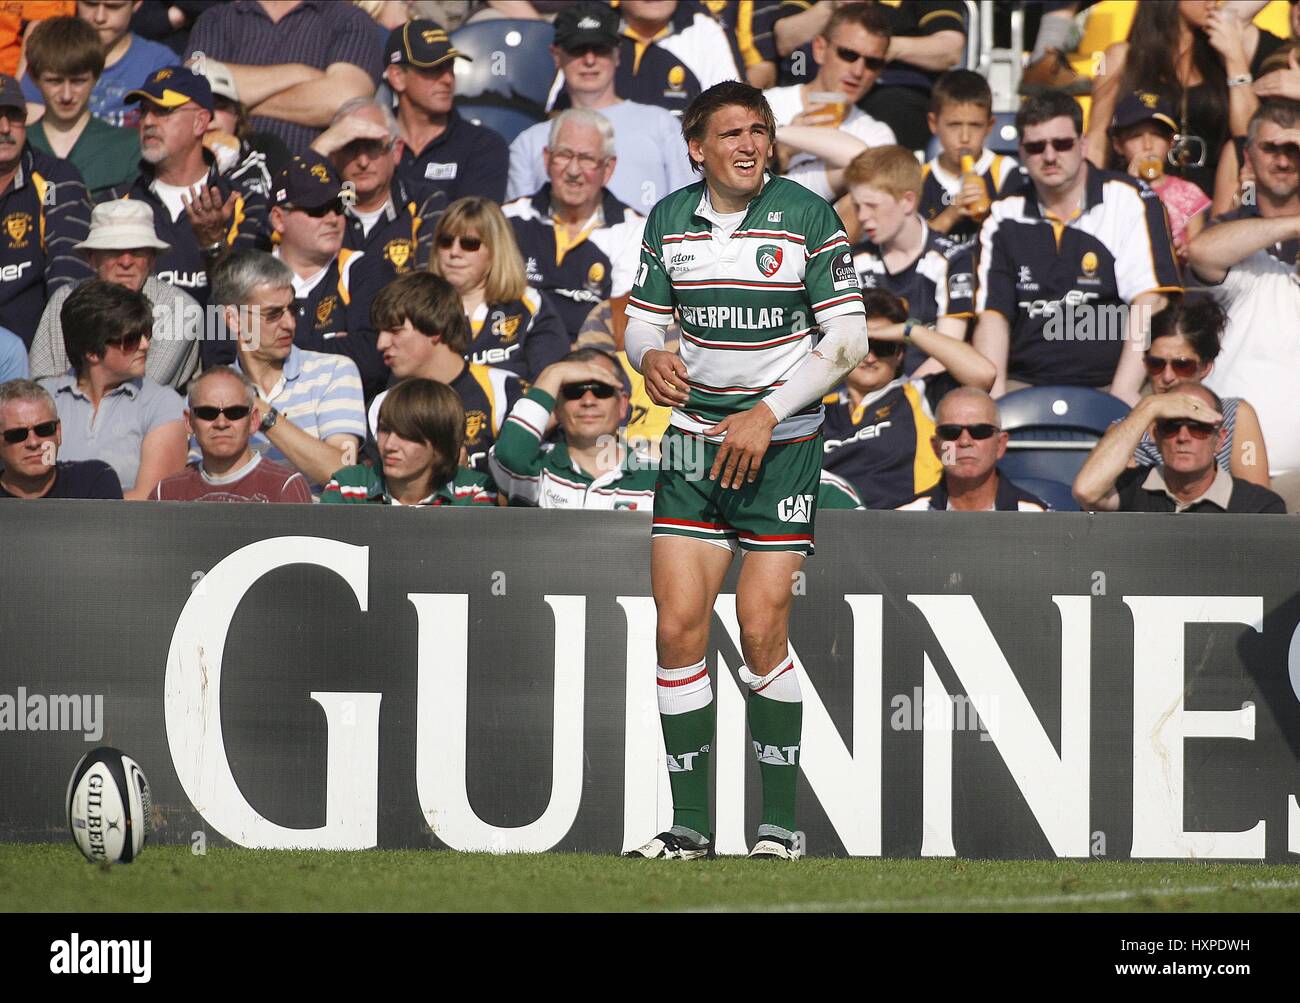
(749,303)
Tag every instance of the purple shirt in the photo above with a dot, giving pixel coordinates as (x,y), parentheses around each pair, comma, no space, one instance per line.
(315,32)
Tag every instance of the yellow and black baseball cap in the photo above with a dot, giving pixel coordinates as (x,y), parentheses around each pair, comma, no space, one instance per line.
(422,44)
(173,86)
(1143,106)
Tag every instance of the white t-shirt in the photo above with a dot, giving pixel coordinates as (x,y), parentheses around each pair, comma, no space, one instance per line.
(369,219)
(810,171)
(170,195)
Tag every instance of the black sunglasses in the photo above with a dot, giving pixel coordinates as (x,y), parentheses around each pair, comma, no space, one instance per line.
(334,205)
(129,342)
(575,391)
(1167,428)
(43,430)
(1183,367)
(951,433)
(883,349)
(233,412)
(876,63)
(470,244)
(1061,145)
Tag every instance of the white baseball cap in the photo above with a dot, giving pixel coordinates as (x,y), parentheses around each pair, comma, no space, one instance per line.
(220,79)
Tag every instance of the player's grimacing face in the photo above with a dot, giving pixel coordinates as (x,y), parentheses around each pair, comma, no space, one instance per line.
(734,150)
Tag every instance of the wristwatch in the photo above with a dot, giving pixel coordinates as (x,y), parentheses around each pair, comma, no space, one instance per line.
(268,420)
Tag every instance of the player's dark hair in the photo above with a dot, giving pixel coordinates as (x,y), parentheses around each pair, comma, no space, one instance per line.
(961,87)
(65,47)
(97,313)
(695,122)
(882,303)
(427,411)
(1046,106)
(1199,319)
(429,302)
(872,18)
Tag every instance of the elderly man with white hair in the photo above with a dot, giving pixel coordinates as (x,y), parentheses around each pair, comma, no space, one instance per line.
(123,249)
(580,243)
(385,218)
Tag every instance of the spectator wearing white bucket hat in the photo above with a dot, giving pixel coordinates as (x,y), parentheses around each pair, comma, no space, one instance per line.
(123,248)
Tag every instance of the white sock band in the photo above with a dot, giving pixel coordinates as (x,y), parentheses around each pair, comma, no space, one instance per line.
(781,684)
(685,689)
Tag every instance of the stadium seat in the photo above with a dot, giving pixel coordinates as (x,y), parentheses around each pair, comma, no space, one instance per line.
(1052,429)
(506,120)
(511,60)
(1056,494)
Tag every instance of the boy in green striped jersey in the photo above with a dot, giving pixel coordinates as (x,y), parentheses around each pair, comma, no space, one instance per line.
(755,267)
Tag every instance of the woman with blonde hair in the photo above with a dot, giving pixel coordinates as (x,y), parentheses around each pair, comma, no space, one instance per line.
(513,326)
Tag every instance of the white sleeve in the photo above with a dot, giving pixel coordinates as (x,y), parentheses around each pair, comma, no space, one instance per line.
(843,346)
(640,337)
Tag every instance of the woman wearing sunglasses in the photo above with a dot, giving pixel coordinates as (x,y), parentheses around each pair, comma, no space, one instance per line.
(513,326)
(1184,344)
(877,428)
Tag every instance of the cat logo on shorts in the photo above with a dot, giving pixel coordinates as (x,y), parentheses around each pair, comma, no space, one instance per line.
(324,308)
(595,275)
(17,225)
(677,77)
(474,422)
(1089,264)
(398,253)
(796,508)
(506,328)
(769,258)
(319,172)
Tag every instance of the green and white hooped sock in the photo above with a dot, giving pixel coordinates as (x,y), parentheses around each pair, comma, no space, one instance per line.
(687,713)
(775,714)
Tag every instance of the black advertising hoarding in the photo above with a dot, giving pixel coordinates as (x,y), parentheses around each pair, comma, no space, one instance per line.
(1000,685)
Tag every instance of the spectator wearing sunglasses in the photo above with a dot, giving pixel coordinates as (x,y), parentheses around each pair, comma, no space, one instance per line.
(1184,344)
(582,244)
(1071,269)
(385,218)
(421,434)
(850,53)
(901,254)
(587,466)
(969,441)
(878,425)
(108,408)
(198,212)
(1248,261)
(1187,425)
(423,332)
(332,285)
(512,325)
(123,248)
(222,416)
(30,437)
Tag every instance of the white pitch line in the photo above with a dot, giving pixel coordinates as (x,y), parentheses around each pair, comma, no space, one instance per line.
(961,904)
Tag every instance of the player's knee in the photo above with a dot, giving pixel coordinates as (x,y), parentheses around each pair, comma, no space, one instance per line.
(681,637)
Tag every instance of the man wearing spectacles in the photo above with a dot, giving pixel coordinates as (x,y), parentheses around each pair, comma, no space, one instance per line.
(1187,426)
(1249,261)
(30,437)
(587,466)
(332,285)
(581,244)
(850,53)
(198,211)
(969,441)
(385,218)
(1071,270)
(222,416)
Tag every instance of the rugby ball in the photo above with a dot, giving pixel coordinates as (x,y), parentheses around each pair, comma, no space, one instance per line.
(108,807)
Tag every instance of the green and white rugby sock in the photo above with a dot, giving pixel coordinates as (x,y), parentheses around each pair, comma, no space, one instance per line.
(687,713)
(775,714)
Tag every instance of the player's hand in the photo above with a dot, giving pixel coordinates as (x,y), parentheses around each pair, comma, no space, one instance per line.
(748,435)
(209,215)
(665,378)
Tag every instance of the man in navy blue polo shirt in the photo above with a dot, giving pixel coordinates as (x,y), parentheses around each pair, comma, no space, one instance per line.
(332,287)
(44,214)
(1071,270)
(441,151)
(30,437)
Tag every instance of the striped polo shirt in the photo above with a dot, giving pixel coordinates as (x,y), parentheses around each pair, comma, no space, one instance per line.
(1062,284)
(749,303)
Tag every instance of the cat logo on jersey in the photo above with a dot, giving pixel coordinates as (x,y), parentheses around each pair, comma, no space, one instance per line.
(677,77)
(398,253)
(595,275)
(325,308)
(1089,264)
(474,422)
(17,225)
(769,258)
(506,328)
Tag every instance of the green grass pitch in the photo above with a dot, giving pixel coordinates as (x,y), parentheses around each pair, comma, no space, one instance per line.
(54,877)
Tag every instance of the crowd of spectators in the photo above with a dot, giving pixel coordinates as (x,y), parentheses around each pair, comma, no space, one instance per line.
(261,251)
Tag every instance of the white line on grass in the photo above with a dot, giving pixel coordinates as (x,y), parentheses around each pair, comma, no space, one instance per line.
(960,904)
